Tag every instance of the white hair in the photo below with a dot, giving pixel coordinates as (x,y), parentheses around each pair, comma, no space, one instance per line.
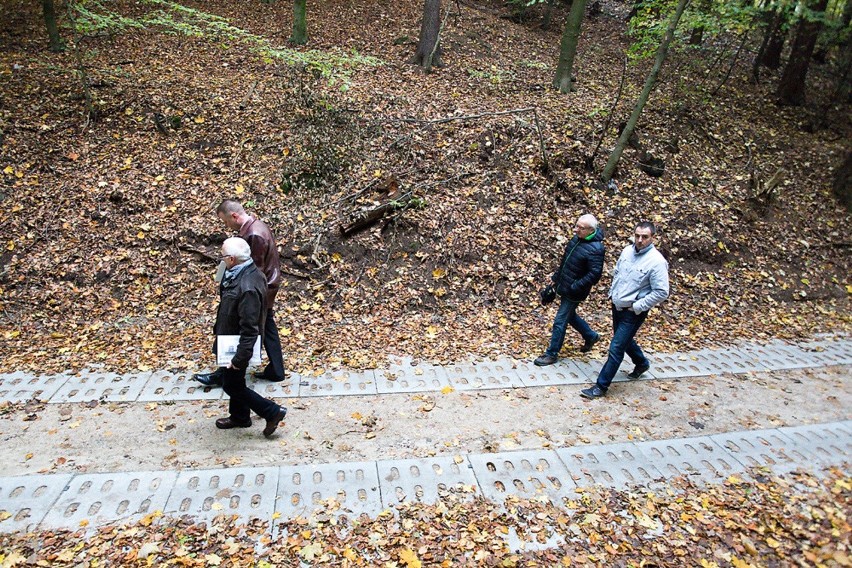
(589,219)
(236,247)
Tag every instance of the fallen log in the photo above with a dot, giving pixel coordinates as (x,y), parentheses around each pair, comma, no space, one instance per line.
(363,219)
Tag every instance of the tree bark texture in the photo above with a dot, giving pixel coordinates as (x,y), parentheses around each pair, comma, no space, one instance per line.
(52,28)
(842,186)
(570,37)
(662,51)
(300,23)
(429,47)
(791,88)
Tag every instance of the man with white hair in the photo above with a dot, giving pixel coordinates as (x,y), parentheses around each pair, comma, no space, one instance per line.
(242,311)
(581,268)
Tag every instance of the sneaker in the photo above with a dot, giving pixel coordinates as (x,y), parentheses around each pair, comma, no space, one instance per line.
(544,360)
(638,372)
(587,346)
(593,392)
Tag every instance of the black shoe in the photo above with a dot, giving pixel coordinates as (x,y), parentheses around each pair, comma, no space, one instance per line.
(587,346)
(544,360)
(214,379)
(593,392)
(260,376)
(638,372)
(272,423)
(228,423)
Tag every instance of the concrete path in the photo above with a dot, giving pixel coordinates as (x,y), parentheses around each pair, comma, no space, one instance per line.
(75,500)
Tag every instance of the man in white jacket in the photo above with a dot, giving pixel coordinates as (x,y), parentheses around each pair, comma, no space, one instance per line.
(640,282)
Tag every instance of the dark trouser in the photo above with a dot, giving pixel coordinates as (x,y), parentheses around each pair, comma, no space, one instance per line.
(567,315)
(243,399)
(625,324)
(274,370)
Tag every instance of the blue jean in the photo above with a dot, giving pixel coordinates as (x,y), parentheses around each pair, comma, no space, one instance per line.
(625,324)
(243,399)
(567,315)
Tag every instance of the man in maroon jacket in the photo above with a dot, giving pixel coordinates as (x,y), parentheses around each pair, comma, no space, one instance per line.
(264,253)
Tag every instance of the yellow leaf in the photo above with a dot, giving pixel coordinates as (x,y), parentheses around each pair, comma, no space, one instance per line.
(410,558)
(11,245)
(199,119)
(438,273)
(849,288)
(806,282)
(349,554)
(772,542)
(29,456)
(213,559)
(276,515)
(336,257)
(140,235)
(357,415)
(128,111)
(458,459)
(377,173)
(9,170)
(734,480)
(447,389)
(239,189)
(4,515)
(84,523)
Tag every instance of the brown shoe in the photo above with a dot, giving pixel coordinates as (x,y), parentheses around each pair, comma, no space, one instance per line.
(272,423)
(228,423)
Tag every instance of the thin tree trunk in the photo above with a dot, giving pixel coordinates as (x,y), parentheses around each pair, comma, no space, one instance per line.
(570,37)
(791,88)
(52,29)
(662,51)
(300,23)
(429,47)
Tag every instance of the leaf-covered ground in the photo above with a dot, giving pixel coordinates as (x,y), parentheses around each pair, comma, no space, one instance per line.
(107,222)
(744,522)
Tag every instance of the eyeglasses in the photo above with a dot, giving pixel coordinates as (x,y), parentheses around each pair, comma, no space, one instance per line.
(224,256)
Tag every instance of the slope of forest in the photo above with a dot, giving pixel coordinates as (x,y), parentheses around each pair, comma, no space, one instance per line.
(110,237)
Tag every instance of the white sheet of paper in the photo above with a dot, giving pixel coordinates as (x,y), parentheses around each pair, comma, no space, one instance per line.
(226,347)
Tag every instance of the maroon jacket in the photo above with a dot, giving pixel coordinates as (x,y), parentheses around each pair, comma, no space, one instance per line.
(264,253)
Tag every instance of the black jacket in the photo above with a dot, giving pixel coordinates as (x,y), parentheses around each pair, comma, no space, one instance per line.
(242,311)
(581,267)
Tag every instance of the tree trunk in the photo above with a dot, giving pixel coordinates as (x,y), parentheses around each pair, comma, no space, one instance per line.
(842,186)
(696,36)
(791,88)
(562,81)
(548,15)
(52,28)
(429,47)
(662,51)
(300,23)
(776,36)
(769,18)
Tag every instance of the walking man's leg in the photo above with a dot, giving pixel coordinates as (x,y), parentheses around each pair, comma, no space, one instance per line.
(274,370)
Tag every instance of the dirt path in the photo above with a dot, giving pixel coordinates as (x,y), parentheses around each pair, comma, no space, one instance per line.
(138,436)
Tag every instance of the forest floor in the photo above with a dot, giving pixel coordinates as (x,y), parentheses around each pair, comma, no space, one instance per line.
(110,240)
(110,235)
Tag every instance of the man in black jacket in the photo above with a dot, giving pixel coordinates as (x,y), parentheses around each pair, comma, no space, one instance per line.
(242,311)
(581,268)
